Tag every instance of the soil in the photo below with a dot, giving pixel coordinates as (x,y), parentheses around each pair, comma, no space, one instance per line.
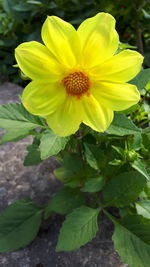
(39,183)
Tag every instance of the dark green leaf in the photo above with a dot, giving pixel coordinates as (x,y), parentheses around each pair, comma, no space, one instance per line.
(79,228)
(95,156)
(51,144)
(123,189)
(90,156)
(94,184)
(119,150)
(64,201)
(71,171)
(19,225)
(141,79)
(33,156)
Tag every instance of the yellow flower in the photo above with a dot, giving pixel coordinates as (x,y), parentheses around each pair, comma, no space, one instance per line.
(76,76)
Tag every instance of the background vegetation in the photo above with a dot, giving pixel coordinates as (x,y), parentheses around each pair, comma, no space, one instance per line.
(21,20)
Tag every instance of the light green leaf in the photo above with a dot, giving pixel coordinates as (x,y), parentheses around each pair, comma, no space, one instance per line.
(94,184)
(121,126)
(19,225)
(123,189)
(34,2)
(143,208)
(51,144)
(141,79)
(147,87)
(140,167)
(123,46)
(146,14)
(79,228)
(132,240)
(17,122)
(64,201)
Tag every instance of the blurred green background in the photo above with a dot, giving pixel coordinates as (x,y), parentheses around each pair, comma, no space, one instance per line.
(21,20)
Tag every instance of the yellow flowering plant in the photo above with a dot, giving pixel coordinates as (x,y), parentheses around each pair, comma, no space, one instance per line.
(81,106)
(77,76)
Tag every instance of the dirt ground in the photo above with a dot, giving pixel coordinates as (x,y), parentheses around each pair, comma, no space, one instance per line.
(16,182)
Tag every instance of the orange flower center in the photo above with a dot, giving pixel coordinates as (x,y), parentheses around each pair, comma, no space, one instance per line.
(76,83)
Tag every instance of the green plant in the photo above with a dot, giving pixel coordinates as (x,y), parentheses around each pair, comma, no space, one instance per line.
(97,171)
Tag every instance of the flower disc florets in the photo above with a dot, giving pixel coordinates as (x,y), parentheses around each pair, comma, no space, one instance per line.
(76,83)
(78,76)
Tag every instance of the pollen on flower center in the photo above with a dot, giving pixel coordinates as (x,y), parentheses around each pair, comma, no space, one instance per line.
(76,83)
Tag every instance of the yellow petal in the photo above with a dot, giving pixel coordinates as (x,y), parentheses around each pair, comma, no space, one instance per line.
(116,96)
(67,118)
(120,68)
(96,115)
(99,40)
(43,99)
(35,60)
(62,40)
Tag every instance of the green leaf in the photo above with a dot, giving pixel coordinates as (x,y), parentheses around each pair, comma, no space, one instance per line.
(119,150)
(51,144)
(33,156)
(90,156)
(79,228)
(147,87)
(7,6)
(137,141)
(68,177)
(19,225)
(130,110)
(71,171)
(140,167)
(121,126)
(147,191)
(146,14)
(23,7)
(141,79)
(64,201)
(132,240)
(143,208)
(17,122)
(123,189)
(34,2)
(95,156)
(94,184)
